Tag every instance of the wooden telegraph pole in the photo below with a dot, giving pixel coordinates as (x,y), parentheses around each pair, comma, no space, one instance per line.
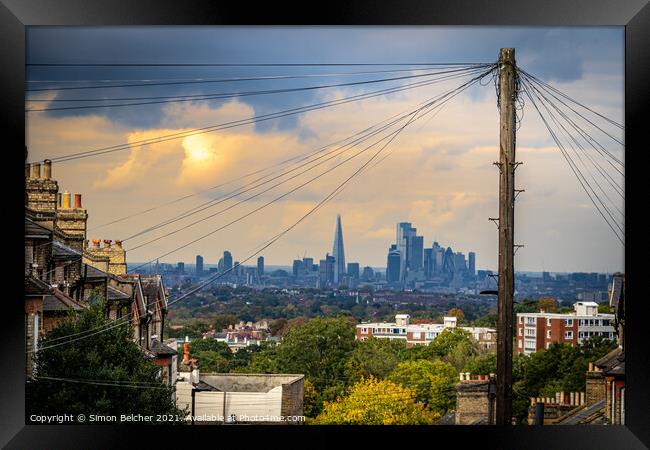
(506,282)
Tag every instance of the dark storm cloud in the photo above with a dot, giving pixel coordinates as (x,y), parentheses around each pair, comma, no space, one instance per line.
(551,53)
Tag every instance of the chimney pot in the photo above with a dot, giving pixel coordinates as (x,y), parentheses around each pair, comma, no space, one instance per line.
(47,169)
(118,243)
(77,201)
(96,243)
(107,243)
(66,200)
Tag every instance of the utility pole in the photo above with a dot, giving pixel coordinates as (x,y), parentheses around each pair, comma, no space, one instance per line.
(506,280)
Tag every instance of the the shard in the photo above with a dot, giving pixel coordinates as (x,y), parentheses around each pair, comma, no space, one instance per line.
(338,252)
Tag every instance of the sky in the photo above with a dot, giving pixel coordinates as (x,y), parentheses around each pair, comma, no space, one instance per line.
(438,172)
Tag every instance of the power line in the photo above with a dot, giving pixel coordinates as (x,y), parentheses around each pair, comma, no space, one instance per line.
(218,96)
(185,81)
(254,119)
(574,168)
(566,132)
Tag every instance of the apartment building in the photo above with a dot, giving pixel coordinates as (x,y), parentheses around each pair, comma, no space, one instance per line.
(536,331)
(421,334)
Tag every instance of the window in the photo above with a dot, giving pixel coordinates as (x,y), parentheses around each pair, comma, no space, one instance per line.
(395,330)
(548,345)
(581,323)
(548,322)
(568,335)
(605,322)
(521,319)
(548,334)
(364,330)
(568,322)
(519,343)
(530,320)
(416,335)
(531,332)
(521,330)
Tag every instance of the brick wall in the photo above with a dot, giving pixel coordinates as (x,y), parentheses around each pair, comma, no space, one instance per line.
(472,402)
(292,398)
(595,387)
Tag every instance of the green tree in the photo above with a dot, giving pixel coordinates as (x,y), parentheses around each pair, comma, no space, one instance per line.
(376,402)
(448,340)
(374,357)
(432,381)
(319,349)
(97,375)
(482,364)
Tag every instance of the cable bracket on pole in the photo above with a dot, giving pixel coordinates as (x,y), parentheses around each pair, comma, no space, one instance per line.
(517,247)
(518,191)
(495,220)
(516,164)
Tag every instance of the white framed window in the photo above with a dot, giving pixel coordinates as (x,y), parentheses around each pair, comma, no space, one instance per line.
(548,345)
(568,335)
(521,319)
(568,322)
(520,343)
(548,334)
(548,322)
(364,330)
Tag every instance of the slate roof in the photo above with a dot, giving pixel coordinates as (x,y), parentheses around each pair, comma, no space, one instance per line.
(611,360)
(116,294)
(161,349)
(36,231)
(93,272)
(59,301)
(61,251)
(35,287)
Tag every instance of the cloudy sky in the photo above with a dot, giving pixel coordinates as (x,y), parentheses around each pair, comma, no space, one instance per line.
(438,173)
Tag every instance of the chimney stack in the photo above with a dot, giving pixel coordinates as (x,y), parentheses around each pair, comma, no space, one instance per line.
(36,170)
(27,171)
(47,169)
(96,243)
(107,243)
(118,243)
(77,201)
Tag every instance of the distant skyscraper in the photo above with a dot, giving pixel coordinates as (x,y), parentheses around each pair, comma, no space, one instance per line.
(326,271)
(368,274)
(260,267)
(410,247)
(297,267)
(448,262)
(416,245)
(308,264)
(227,260)
(393,265)
(199,265)
(429,263)
(472,263)
(338,253)
(180,268)
(353,270)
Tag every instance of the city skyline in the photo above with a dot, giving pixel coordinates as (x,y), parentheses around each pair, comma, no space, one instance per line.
(440,176)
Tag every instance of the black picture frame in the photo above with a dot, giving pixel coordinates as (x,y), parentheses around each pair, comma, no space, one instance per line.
(15,15)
